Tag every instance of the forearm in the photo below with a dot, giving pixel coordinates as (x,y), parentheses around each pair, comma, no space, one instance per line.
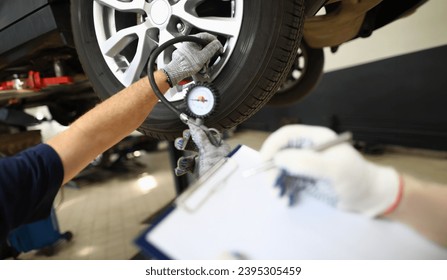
(106,125)
(424,208)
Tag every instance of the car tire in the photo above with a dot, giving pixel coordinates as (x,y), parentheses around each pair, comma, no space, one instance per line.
(303,77)
(270,35)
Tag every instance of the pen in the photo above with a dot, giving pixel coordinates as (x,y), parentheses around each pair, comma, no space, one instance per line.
(342,138)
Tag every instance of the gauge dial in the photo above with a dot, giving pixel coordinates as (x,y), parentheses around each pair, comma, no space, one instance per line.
(201,100)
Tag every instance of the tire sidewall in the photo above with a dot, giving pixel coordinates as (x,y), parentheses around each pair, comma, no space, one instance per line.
(314,60)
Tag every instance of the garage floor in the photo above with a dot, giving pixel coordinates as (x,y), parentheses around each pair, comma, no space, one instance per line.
(106,216)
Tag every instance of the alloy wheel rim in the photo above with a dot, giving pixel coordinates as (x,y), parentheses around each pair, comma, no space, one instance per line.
(127,31)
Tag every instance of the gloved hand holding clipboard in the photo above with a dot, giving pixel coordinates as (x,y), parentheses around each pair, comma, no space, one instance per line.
(229,213)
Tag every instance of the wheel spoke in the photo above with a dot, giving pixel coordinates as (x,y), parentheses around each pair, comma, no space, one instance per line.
(225,26)
(165,36)
(125,6)
(192,3)
(136,67)
(120,40)
(228,27)
(171,93)
(162,59)
(113,46)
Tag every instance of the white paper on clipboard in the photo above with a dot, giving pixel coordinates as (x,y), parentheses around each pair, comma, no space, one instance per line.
(245,216)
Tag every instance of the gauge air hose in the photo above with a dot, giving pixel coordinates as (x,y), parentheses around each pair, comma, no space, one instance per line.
(151,67)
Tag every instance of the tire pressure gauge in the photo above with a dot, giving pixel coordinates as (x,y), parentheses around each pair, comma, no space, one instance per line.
(201,100)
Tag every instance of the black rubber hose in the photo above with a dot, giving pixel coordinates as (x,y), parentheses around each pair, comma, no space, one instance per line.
(151,66)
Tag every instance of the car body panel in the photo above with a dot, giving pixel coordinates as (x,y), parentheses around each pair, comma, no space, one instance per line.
(27,27)
(13,11)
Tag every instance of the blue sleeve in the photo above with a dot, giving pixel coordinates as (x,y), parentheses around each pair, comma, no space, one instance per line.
(29,182)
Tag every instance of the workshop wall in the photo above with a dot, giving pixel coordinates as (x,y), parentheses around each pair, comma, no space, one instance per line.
(397,101)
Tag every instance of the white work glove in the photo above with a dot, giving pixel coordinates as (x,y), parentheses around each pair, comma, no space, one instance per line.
(208,154)
(190,58)
(338,174)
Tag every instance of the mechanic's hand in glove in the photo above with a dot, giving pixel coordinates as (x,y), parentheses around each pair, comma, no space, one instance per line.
(208,154)
(190,58)
(338,174)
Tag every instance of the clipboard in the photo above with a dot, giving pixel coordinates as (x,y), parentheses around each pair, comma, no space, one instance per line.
(227,213)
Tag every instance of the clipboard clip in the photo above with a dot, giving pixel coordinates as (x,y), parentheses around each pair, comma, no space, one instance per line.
(200,191)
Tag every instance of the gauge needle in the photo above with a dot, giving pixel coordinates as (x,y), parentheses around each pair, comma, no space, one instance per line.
(200,99)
